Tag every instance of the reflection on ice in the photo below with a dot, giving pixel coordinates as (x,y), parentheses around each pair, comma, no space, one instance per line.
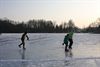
(22,53)
(57,63)
(69,53)
(68,57)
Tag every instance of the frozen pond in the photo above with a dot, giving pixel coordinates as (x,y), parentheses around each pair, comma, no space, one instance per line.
(46,50)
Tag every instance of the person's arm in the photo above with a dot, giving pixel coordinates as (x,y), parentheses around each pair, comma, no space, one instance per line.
(63,41)
(27,37)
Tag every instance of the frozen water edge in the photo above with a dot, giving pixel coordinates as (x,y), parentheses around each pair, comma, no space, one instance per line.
(66,59)
(68,62)
(76,62)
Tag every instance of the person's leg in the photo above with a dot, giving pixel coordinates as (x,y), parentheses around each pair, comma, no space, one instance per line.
(20,44)
(23,45)
(66,47)
(71,43)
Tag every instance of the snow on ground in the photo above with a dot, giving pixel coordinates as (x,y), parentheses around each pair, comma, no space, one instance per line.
(46,50)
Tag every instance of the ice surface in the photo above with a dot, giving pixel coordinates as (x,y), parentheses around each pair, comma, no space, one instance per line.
(46,50)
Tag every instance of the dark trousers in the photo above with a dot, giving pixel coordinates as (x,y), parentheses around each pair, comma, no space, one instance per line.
(66,45)
(23,43)
(71,43)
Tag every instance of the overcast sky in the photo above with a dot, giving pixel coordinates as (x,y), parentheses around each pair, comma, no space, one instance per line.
(82,12)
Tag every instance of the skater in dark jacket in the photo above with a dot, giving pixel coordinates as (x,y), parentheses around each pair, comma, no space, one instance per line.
(23,40)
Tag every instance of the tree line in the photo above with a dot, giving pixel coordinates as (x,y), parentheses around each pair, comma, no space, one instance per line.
(43,26)
(36,26)
(93,27)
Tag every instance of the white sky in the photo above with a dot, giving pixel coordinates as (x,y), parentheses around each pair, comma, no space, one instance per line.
(82,12)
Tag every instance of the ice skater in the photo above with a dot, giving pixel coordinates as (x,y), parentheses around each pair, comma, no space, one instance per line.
(65,41)
(68,38)
(23,40)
